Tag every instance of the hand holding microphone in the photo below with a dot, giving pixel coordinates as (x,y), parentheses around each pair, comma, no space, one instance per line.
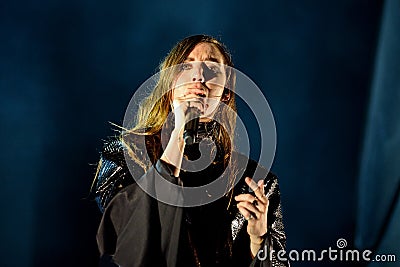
(188,109)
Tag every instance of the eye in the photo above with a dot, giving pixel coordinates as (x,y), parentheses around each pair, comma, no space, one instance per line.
(214,68)
(185,66)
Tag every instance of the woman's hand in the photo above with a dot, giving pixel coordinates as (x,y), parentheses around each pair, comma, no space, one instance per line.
(190,98)
(255,210)
(173,152)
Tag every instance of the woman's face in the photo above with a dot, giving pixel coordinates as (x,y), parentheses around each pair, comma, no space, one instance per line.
(201,78)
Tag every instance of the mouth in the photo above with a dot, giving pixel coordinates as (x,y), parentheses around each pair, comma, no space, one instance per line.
(196,91)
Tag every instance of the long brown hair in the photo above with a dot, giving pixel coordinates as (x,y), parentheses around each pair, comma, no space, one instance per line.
(154,110)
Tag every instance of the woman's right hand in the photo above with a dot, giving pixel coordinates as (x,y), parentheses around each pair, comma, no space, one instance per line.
(173,152)
(181,103)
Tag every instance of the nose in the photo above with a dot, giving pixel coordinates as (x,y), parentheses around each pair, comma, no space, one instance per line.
(198,73)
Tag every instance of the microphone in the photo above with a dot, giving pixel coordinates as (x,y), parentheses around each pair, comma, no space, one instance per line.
(191,126)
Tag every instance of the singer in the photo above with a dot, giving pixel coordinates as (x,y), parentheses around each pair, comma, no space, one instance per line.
(139,230)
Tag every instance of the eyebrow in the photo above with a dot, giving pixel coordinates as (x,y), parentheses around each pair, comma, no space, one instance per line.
(205,59)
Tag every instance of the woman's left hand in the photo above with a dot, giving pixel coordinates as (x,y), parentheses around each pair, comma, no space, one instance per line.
(254,208)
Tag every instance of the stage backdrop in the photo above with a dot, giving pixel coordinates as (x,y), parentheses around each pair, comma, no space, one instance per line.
(68,68)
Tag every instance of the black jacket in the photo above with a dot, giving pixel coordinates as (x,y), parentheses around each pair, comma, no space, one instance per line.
(138,230)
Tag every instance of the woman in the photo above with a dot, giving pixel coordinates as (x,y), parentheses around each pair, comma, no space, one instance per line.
(139,229)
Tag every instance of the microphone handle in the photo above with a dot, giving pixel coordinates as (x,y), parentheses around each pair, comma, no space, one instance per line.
(191,126)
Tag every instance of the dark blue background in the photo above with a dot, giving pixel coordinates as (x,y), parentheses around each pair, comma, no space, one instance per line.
(68,68)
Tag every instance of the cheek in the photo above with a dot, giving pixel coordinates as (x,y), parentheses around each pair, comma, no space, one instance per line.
(182,79)
(218,81)
(217,86)
(177,88)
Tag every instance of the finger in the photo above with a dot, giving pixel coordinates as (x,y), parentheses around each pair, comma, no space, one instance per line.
(245,197)
(194,97)
(191,94)
(251,183)
(184,103)
(258,190)
(250,207)
(196,91)
(194,103)
(262,198)
(261,186)
(246,214)
(252,200)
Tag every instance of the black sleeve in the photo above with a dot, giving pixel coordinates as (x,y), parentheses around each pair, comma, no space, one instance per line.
(136,229)
(112,174)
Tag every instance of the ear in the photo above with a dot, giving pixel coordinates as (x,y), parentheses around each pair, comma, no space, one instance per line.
(226,95)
